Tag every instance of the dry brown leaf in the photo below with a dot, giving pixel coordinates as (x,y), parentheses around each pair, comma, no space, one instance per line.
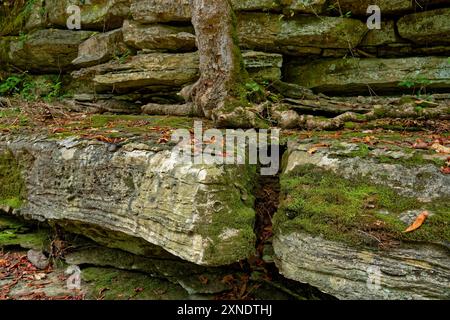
(3,263)
(312,150)
(445,170)
(420,144)
(418,222)
(440,148)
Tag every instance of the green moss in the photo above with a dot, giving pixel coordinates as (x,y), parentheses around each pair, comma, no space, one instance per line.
(235,205)
(12,184)
(14,232)
(362,152)
(111,284)
(321,202)
(16,17)
(98,121)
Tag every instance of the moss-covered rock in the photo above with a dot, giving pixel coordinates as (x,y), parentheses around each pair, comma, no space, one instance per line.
(49,50)
(196,212)
(340,225)
(389,7)
(111,284)
(159,37)
(425,28)
(98,15)
(299,35)
(353,75)
(100,48)
(12,183)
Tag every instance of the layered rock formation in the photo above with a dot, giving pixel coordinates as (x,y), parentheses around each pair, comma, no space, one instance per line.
(196,212)
(339,226)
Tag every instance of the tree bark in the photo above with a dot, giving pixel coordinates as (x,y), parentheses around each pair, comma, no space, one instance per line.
(220,92)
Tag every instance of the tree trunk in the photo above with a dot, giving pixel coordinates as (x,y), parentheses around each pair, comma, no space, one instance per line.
(220,92)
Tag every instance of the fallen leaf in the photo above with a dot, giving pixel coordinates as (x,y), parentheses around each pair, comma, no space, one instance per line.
(228,279)
(418,222)
(3,263)
(440,148)
(312,150)
(204,280)
(420,144)
(445,170)
(40,276)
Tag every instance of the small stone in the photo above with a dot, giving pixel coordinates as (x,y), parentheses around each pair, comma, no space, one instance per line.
(38,259)
(113,147)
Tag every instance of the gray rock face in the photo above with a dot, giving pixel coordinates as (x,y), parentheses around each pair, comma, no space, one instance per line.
(426,27)
(353,75)
(195,212)
(155,69)
(154,11)
(408,181)
(48,50)
(167,70)
(304,6)
(298,36)
(386,35)
(309,237)
(38,259)
(348,272)
(359,7)
(100,48)
(159,37)
(95,15)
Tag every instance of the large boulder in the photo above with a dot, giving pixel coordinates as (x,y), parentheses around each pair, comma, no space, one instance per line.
(343,211)
(153,11)
(303,35)
(100,48)
(154,69)
(304,6)
(354,75)
(49,50)
(359,7)
(172,70)
(425,28)
(159,37)
(196,212)
(252,5)
(95,14)
(381,37)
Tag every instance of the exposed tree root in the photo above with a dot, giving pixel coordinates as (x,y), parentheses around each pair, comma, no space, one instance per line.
(182,110)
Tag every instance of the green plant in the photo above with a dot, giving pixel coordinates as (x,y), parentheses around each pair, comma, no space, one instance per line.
(31,88)
(54,93)
(10,85)
(122,58)
(15,15)
(419,84)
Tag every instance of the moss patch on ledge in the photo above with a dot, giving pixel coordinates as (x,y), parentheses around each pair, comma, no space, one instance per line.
(322,203)
(111,284)
(12,184)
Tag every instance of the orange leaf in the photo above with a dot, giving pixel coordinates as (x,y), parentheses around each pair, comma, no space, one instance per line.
(445,170)
(418,222)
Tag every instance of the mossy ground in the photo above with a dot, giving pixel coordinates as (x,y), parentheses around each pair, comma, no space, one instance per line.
(322,203)
(112,284)
(40,118)
(16,233)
